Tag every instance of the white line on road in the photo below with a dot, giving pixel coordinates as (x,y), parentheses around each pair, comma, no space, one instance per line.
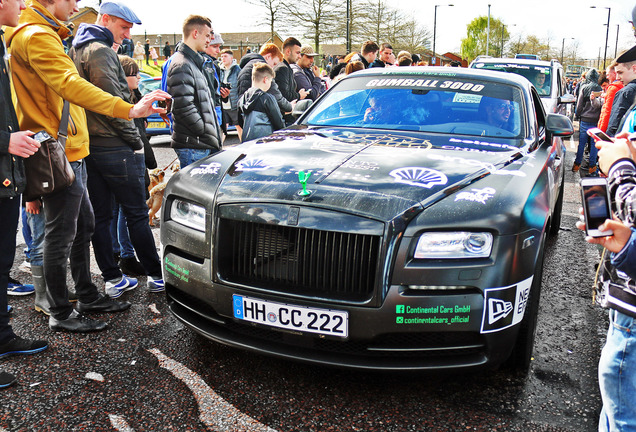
(119,423)
(214,411)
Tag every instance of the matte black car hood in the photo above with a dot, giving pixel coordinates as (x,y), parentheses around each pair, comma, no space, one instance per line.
(377,174)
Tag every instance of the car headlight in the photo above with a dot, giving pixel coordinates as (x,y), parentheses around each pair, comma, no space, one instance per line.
(188,214)
(453,245)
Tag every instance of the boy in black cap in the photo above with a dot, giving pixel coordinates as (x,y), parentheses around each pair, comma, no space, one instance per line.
(626,72)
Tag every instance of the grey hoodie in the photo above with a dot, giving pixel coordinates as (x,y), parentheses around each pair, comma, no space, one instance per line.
(261,114)
(585,110)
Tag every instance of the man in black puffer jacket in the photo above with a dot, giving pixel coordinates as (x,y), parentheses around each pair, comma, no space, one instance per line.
(196,133)
(271,55)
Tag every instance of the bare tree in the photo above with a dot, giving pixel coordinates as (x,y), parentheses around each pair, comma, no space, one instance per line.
(318,17)
(358,18)
(274,17)
(375,21)
(412,38)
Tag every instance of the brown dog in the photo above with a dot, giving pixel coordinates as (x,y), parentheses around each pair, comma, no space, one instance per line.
(156,188)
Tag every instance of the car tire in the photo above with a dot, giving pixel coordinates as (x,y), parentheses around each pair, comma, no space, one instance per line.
(555,224)
(521,356)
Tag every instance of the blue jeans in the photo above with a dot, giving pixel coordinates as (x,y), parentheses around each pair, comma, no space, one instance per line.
(9,215)
(69,226)
(188,156)
(36,223)
(584,138)
(119,226)
(113,172)
(26,233)
(617,375)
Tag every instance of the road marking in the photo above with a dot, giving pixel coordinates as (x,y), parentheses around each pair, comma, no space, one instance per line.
(119,423)
(214,411)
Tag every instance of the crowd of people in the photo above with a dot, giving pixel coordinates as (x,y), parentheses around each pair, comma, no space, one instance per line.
(210,91)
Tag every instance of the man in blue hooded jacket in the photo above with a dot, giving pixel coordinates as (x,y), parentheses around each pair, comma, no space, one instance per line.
(111,166)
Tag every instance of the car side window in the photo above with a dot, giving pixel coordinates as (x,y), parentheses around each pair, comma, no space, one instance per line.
(560,83)
(539,115)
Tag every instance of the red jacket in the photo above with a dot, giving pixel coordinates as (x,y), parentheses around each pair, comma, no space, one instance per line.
(606,110)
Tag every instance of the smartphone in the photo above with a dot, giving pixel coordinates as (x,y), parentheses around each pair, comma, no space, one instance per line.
(42,136)
(599,135)
(167,104)
(596,205)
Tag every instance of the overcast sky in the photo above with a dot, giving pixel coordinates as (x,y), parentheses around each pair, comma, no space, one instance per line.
(556,19)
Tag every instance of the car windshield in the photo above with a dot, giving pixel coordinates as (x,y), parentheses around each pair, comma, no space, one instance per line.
(539,76)
(426,103)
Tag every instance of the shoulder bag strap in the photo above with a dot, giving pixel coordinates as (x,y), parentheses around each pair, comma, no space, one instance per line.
(62,133)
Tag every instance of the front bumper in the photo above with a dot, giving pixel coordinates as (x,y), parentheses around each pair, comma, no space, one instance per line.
(409,331)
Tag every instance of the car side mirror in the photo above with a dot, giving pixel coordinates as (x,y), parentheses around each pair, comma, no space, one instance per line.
(559,125)
(301,106)
(567,99)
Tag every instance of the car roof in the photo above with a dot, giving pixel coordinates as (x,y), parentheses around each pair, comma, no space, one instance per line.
(441,70)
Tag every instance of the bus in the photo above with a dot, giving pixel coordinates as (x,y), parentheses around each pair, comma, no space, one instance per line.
(575,71)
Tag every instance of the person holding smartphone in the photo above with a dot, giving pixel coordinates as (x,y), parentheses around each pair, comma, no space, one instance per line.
(617,380)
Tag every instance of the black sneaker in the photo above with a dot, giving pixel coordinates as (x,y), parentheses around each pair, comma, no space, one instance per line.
(76,323)
(131,267)
(102,304)
(18,345)
(6,379)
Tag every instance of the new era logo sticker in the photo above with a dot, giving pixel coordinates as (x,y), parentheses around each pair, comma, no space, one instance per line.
(498,309)
(505,307)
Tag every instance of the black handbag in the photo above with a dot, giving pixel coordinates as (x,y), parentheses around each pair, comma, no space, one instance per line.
(48,170)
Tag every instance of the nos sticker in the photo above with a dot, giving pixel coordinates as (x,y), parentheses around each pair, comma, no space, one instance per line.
(505,307)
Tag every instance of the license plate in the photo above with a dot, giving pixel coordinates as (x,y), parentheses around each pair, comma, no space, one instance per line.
(156,125)
(300,318)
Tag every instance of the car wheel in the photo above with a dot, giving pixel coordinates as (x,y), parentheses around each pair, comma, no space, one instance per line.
(519,360)
(555,224)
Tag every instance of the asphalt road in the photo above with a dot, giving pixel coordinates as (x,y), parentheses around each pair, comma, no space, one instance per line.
(147,372)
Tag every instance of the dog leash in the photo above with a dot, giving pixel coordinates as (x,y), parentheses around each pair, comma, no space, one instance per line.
(170,164)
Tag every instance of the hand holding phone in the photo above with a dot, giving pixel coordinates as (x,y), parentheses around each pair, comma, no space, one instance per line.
(599,135)
(596,205)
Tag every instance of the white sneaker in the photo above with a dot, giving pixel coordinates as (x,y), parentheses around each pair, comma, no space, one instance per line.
(116,287)
(155,285)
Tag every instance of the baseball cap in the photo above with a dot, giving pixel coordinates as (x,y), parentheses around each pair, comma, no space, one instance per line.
(308,51)
(119,10)
(627,56)
(218,40)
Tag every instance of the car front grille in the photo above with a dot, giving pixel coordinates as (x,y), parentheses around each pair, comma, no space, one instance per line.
(300,261)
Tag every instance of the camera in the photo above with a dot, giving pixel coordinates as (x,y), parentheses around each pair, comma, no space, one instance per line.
(226,85)
(167,104)
(596,205)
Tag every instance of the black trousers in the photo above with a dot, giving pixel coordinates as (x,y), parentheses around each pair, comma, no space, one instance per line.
(9,214)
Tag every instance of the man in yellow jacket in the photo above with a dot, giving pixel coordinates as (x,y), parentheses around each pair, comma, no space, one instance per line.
(44,76)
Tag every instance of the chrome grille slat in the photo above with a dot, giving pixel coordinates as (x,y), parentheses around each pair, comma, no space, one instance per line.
(297,260)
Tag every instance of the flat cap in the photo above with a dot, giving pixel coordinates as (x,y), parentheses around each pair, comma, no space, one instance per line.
(627,56)
(308,51)
(119,10)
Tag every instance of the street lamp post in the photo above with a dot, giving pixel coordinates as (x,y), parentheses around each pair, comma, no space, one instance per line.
(609,11)
(616,46)
(563,47)
(488,34)
(433,59)
(348,26)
